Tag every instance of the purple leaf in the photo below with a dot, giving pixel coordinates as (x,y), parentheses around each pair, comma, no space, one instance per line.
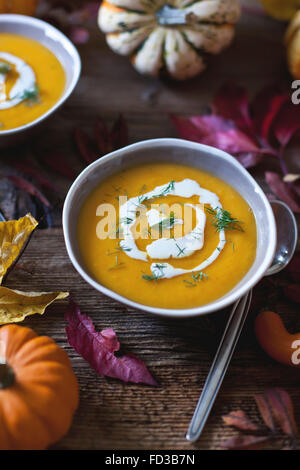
(231,141)
(210,123)
(98,349)
(186,129)
(265,107)
(250,159)
(28,169)
(287,123)
(27,186)
(85,146)
(57,162)
(231,102)
(283,191)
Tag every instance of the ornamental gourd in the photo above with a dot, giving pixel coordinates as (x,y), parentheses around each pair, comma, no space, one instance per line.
(21,7)
(174,36)
(38,390)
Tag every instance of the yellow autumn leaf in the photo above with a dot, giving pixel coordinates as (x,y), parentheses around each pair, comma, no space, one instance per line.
(281,9)
(13,236)
(16,305)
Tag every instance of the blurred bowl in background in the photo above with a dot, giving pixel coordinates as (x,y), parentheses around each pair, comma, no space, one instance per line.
(60,46)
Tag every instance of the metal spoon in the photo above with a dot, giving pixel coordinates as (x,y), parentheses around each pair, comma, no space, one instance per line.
(287,234)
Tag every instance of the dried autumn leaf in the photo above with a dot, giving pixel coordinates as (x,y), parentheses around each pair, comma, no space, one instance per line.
(276,405)
(265,411)
(16,305)
(240,420)
(283,410)
(13,236)
(98,349)
(245,443)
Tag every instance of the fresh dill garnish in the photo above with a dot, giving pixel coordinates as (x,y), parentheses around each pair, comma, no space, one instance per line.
(166,223)
(142,199)
(126,220)
(196,277)
(31,96)
(116,265)
(189,283)
(5,68)
(222,220)
(180,250)
(124,248)
(154,277)
(160,267)
(109,253)
(170,187)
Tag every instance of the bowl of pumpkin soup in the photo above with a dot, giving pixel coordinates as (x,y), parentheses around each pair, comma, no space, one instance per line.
(39,69)
(170,227)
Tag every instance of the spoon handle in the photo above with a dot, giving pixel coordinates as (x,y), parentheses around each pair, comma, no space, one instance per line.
(220,364)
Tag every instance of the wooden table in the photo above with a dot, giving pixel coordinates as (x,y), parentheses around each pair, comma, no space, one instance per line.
(115,415)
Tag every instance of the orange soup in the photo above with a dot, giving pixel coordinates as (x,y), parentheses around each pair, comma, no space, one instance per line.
(32,80)
(167,235)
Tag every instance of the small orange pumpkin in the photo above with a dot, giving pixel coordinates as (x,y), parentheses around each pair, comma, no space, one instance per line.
(21,7)
(275,340)
(38,390)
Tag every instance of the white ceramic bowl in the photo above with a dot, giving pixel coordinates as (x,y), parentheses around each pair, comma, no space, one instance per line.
(193,154)
(61,47)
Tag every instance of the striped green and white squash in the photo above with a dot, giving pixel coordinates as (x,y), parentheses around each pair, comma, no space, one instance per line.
(174,36)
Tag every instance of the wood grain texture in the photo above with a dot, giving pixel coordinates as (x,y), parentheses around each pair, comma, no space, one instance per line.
(113,415)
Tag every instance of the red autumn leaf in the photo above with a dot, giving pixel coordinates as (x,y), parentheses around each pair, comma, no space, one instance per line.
(27,186)
(28,169)
(265,107)
(231,102)
(292,292)
(245,443)
(239,420)
(282,410)
(294,267)
(287,123)
(249,160)
(282,190)
(265,411)
(85,146)
(102,136)
(218,132)
(57,162)
(98,349)
(119,133)
(231,141)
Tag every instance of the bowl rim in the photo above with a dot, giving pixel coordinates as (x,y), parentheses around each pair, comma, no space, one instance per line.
(214,306)
(36,22)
